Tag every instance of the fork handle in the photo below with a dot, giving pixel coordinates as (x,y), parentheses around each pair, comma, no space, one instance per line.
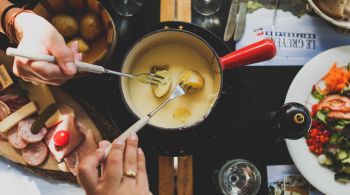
(29,55)
(133,129)
(81,66)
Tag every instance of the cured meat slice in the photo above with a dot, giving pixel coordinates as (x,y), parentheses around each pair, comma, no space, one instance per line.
(9,97)
(72,162)
(88,146)
(339,115)
(15,140)
(335,103)
(25,133)
(75,137)
(13,101)
(35,153)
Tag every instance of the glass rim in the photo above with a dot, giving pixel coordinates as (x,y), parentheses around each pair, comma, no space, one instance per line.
(229,163)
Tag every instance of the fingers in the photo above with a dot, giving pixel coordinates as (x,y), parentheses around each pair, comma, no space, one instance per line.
(130,158)
(64,56)
(114,164)
(103,144)
(73,46)
(35,80)
(141,178)
(21,67)
(87,170)
(47,71)
(38,72)
(78,56)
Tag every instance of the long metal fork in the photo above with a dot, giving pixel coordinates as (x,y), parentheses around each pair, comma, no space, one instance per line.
(147,78)
(177,92)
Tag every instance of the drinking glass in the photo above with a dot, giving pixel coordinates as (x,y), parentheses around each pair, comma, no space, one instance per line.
(127,7)
(239,177)
(207,7)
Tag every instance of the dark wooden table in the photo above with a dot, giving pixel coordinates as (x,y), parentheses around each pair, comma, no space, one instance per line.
(263,89)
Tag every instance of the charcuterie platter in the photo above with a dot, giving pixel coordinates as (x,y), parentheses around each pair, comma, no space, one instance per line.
(62,140)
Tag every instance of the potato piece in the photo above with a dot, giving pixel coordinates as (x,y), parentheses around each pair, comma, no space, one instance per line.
(181,114)
(162,89)
(191,81)
(66,25)
(83,47)
(90,26)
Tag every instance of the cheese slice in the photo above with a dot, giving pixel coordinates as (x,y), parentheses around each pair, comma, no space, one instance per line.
(5,79)
(63,167)
(42,96)
(14,118)
(53,120)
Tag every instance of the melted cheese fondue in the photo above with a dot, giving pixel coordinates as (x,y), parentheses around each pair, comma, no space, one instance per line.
(183,111)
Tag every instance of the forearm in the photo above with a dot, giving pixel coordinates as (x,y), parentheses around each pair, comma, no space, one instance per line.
(3,5)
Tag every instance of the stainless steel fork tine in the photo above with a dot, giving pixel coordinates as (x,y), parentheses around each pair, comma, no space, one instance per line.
(152,82)
(157,76)
(157,79)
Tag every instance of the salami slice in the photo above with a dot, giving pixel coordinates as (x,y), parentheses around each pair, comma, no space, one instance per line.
(15,140)
(25,133)
(35,153)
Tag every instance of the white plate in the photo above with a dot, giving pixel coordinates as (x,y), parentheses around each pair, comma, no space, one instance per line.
(14,180)
(299,91)
(337,22)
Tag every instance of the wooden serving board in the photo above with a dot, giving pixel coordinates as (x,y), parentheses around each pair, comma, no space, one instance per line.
(50,167)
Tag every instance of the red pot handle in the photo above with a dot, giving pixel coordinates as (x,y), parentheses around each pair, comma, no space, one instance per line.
(256,52)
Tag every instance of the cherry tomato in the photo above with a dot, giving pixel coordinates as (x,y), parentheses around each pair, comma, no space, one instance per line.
(314,109)
(61,138)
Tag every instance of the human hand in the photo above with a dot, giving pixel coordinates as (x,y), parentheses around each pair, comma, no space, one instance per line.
(114,179)
(38,35)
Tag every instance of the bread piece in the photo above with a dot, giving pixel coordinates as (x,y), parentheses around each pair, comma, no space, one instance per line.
(333,8)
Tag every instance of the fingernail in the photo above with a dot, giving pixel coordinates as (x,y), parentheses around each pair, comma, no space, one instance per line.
(100,150)
(119,142)
(71,68)
(133,136)
(76,45)
(139,151)
(80,56)
(102,145)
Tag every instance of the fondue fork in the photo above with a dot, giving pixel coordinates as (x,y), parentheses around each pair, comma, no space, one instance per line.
(147,78)
(177,92)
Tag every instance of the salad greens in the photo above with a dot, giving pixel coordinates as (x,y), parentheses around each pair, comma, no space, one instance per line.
(329,137)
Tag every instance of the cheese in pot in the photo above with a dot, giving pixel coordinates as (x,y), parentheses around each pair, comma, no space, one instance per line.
(179,58)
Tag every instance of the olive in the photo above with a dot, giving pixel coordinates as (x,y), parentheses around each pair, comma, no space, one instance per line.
(346,93)
(331,121)
(346,132)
